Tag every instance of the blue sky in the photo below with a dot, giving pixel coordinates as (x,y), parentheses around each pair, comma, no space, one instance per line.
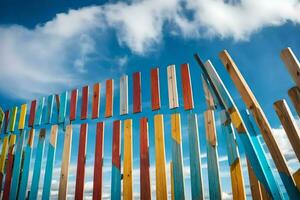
(50,47)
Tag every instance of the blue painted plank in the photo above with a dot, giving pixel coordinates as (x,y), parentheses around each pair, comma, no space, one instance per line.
(49,109)
(39,112)
(62,107)
(115,183)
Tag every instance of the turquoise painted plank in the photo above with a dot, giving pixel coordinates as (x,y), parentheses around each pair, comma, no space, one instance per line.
(49,109)
(62,107)
(39,112)
(177,171)
(195,161)
(17,165)
(37,165)
(115,183)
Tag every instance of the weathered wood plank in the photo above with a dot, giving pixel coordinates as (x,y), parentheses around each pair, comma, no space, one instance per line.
(64,174)
(124,95)
(127,177)
(12,120)
(137,92)
(116,161)
(292,64)
(63,100)
(172,87)
(84,102)
(109,98)
(49,109)
(73,104)
(155,89)
(294,94)
(39,112)
(22,117)
(187,91)
(160,158)
(254,183)
(96,100)
(97,188)
(32,113)
(296,176)
(145,187)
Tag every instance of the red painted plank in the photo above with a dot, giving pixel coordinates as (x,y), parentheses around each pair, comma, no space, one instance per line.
(96,99)
(144,160)
(186,87)
(32,113)
(6,120)
(97,190)
(8,176)
(79,189)
(137,98)
(109,98)
(116,150)
(155,91)
(84,102)
(73,104)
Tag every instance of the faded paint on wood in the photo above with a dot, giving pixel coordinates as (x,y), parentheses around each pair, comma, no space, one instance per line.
(137,92)
(155,89)
(208,95)
(64,174)
(98,164)
(116,161)
(96,101)
(172,87)
(84,102)
(188,101)
(22,117)
(127,177)
(32,113)
(292,64)
(63,100)
(73,104)
(39,112)
(12,120)
(109,98)
(145,187)
(3,157)
(49,109)
(124,95)
(160,158)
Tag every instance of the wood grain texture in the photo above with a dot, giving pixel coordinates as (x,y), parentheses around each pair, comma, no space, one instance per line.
(63,100)
(49,109)
(254,183)
(22,117)
(12,120)
(172,87)
(160,158)
(39,112)
(210,128)
(116,161)
(289,124)
(145,187)
(80,175)
(137,92)
(294,94)
(96,100)
(64,174)
(155,89)
(98,164)
(210,103)
(32,113)
(237,180)
(296,176)
(128,158)
(73,104)
(292,64)
(109,98)
(84,102)
(188,101)
(124,95)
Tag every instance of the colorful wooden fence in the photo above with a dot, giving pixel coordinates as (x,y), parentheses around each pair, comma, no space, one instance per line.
(241,128)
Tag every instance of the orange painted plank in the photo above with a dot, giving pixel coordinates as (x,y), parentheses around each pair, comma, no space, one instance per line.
(109,98)
(137,98)
(144,160)
(32,113)
(84,102)
(96,101)
(116,146)
(155,91)
(187,87)
(73,104)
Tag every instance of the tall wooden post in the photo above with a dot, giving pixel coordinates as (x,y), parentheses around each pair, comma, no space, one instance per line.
(292,64)
(116,161)
(127,177)
(294,94)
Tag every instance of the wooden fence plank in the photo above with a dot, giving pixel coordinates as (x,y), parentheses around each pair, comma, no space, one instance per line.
(50,163)
(145,187)
(49,109)
(64,174)
(294,94)
(172,87)
(137,92)
(124,95)
(22,117)
(109,98)
(160,158)
(37,165)
(195,161)
(187,91)
(292,64)
(96,101)
(155,90)
(63,100)
(172,180)
(3,157)
(99,147)
(39,112)
(116,161)
(296,176)
(1,118)
(73,104)
(80,175)
(6,120)
(177,157)
(32,113)
(84,102)
(127,177)
(254,183)
(26,166)
(289,124)
(262,122)
(12,120)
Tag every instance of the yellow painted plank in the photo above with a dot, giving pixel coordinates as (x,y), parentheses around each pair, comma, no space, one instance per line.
(53,135)
(3,153)
(296,176)
(127,178)
(237,180)
(175,123)
(172,181)
(22,117)
(12,140)
(12,120)
(160,160)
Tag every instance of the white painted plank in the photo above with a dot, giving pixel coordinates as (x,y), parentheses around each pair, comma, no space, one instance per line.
(172,87)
